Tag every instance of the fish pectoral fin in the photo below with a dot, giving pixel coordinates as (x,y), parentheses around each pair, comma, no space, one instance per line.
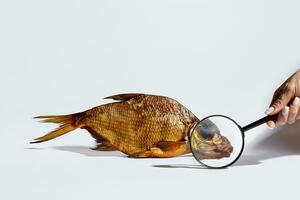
(164,149)
(143,154)
(123,97)
(170,145)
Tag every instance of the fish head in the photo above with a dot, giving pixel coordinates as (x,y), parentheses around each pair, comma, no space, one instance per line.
(210,144)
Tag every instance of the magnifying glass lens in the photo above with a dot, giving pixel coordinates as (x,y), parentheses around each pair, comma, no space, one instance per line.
(216,141)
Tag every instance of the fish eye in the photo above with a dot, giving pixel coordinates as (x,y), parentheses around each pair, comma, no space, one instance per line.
(207,129)
(207,135)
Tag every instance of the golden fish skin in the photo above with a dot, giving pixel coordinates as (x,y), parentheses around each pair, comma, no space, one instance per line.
(138,125)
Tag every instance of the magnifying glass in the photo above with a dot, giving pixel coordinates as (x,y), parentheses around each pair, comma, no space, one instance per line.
(217,141)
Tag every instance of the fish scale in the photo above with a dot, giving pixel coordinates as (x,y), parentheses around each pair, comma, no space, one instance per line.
(135,123)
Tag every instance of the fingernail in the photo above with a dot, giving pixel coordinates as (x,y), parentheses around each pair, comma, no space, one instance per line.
(271,125)
(296,101)
(285,111)
(269,110)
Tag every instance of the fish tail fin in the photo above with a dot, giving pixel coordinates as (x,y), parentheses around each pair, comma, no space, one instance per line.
(66,123)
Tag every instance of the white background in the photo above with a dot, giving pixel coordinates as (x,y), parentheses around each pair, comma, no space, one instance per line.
(215,57)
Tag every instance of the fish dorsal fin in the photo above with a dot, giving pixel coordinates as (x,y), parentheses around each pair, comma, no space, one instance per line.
(123,97)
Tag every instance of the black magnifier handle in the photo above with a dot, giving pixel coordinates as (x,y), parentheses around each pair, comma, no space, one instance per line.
(260,122)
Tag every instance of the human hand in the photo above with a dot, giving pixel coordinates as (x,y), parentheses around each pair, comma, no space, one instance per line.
(286,102)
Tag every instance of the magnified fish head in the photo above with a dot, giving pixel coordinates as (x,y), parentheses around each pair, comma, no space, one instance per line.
(210,144)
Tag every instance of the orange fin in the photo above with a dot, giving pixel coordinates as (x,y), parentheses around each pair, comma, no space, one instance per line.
(164,149)
(66,123)
(123,97)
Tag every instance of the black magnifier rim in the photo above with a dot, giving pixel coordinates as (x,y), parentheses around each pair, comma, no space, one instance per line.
(232,162)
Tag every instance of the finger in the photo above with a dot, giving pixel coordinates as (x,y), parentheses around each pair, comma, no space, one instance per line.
(271,124)
(280,99)
(298,114)
(294,107)
(282,116)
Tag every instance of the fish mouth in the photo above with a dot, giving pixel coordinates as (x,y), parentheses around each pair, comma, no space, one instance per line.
(216,153)
(222,150)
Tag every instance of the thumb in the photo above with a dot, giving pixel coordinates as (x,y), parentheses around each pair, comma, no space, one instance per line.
(279,101)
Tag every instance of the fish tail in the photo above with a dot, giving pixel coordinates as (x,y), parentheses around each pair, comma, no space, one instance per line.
(66,123)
